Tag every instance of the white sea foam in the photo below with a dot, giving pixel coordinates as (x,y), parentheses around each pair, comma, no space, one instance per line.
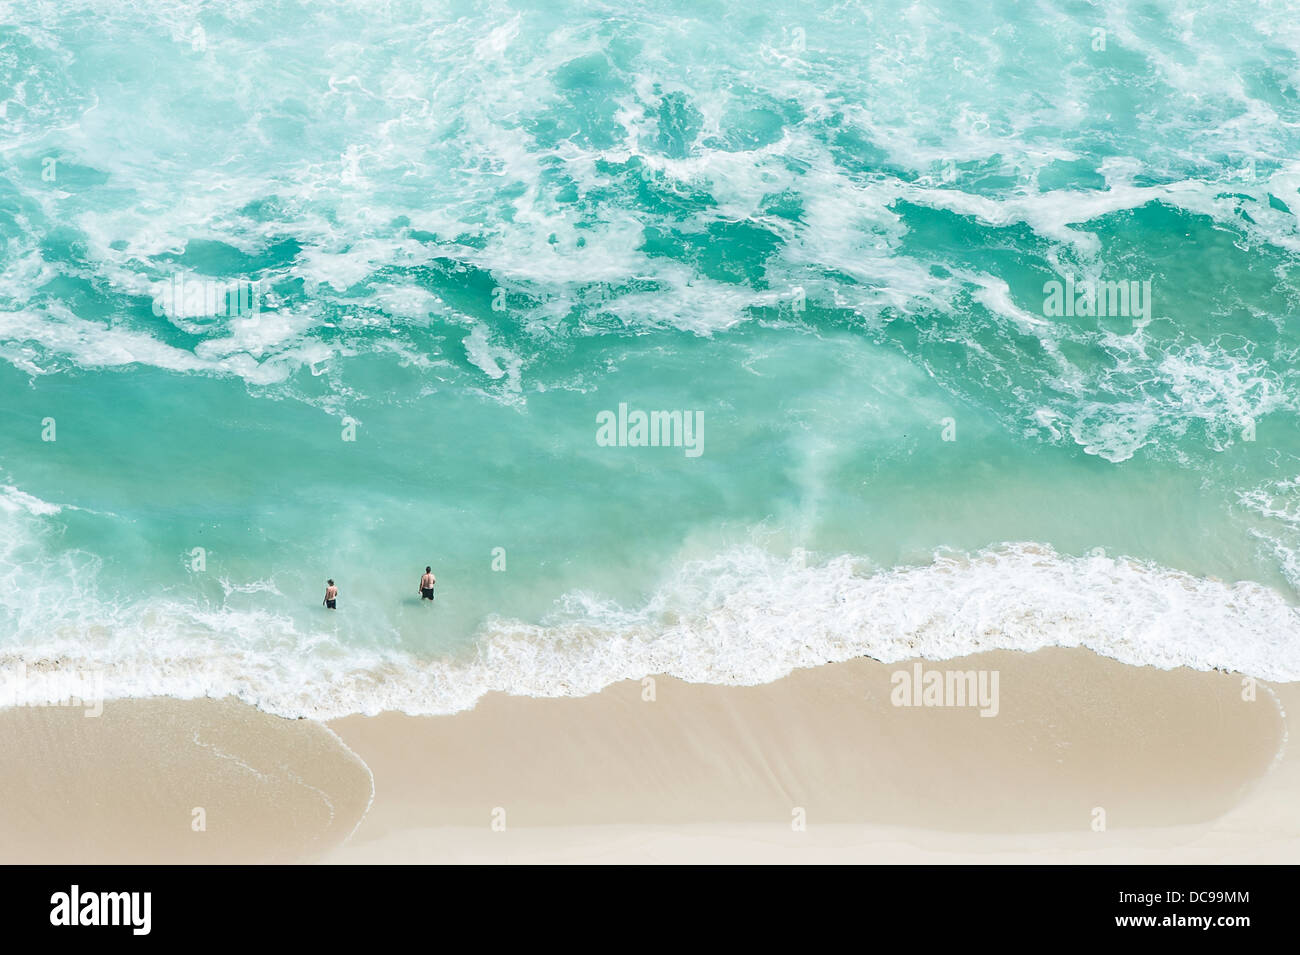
(745,616)
(13,500)
(1277,505)
(93,345)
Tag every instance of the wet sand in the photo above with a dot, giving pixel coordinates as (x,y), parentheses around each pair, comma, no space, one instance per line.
(1086,759)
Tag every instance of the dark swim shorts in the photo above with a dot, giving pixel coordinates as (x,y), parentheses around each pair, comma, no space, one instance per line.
(330,604)
(426,593)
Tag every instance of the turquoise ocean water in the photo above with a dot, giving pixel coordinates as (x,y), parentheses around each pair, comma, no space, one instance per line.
(305,290)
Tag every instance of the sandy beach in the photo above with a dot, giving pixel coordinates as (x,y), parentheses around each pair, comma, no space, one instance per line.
(818,766)
(608,432)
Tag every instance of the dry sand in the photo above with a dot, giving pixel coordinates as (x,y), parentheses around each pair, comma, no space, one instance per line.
(1183,767)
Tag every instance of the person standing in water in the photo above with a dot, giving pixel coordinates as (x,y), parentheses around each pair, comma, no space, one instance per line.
(331,595)
(426,584)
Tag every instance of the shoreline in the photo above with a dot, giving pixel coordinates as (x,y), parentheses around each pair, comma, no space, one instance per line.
(820,765)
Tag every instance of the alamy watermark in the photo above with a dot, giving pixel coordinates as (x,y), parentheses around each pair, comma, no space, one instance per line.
(651,429)
(921,687)
(129,909)
(187,296)
(74,688)
(1066,298)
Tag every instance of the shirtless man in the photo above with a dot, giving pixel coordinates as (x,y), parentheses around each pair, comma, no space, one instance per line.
(331,595)
(426,584)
